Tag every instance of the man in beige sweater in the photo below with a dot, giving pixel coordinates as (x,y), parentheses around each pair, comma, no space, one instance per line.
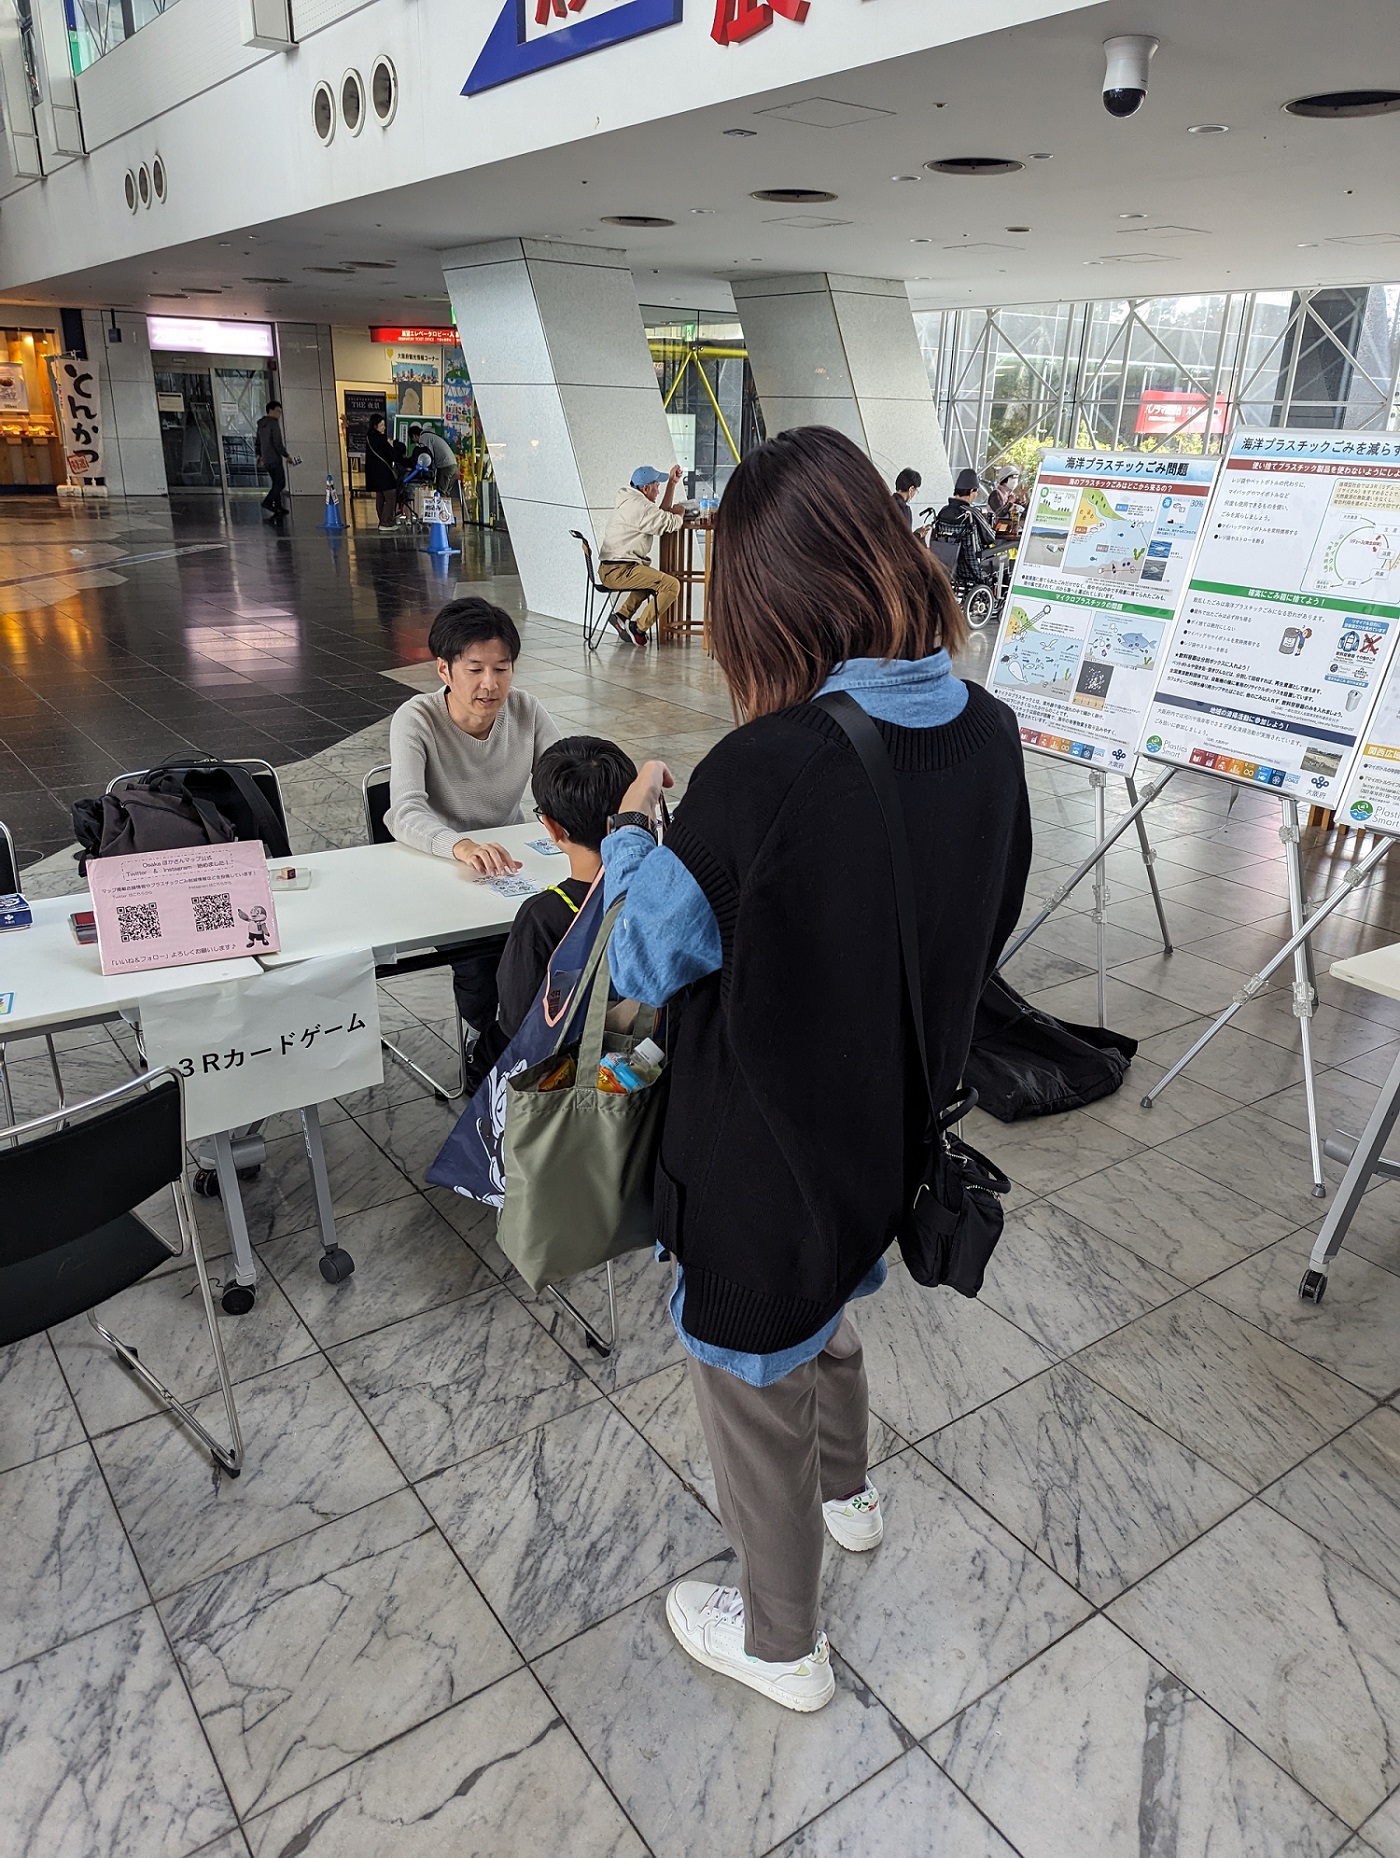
(641,513)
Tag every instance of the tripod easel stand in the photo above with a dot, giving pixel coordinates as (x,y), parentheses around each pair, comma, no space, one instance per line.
(1104,840)
(1299,947)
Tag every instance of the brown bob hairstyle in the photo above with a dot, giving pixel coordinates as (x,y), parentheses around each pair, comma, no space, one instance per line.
(814,565)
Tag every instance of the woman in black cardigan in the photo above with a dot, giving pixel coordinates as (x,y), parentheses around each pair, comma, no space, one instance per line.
(797,1121)
(381,471)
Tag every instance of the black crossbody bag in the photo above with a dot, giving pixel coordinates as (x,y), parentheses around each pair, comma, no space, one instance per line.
(956,1217)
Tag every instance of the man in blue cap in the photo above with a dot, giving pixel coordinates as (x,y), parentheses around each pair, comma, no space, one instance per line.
(642,511)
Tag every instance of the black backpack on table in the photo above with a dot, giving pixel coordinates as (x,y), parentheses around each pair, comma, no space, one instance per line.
(180,802)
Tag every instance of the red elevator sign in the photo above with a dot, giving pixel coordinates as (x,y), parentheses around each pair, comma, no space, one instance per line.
(443,338)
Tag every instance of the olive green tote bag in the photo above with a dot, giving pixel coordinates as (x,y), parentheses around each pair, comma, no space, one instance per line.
(579,1162)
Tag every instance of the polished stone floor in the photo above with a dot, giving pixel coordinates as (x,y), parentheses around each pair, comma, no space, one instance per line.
(1139,1594)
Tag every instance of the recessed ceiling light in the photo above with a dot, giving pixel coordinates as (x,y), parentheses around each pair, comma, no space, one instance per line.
(793,196)
(373,264)
(1209,129)
(921,241)
(267,280)
(330,270)
(1346,103)
(1018,228)
(1307,245)
(202,290)
(1132,216)
(904,177)
(1041,157)
(974,167)
(743,132)
(635,219)
(702,209)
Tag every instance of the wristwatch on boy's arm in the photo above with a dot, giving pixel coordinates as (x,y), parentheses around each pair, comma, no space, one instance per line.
(616,821)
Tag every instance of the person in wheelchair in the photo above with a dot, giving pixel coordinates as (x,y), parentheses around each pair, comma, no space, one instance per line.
(964,541)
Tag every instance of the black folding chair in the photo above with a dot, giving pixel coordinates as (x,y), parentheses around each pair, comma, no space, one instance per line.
(69,1238)
(600,603)
(374,790)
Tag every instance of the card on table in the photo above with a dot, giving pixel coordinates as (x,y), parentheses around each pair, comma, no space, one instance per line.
(546,847)
(512,886)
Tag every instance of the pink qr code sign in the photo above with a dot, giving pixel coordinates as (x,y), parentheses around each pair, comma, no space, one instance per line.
(167,909)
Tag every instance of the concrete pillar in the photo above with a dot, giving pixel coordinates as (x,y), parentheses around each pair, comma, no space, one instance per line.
(843,352)
(133,461)
(310,417)
(567,396)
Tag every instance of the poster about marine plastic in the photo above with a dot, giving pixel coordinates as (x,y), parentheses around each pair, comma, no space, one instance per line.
(1289,625)
(1101,567)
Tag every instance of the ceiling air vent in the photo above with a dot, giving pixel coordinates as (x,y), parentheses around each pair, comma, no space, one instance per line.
(1341,103)
(635,219)
(793,196)
(973,167)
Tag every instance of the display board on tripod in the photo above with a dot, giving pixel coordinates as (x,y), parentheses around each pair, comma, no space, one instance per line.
(1101,569)
(1289,626)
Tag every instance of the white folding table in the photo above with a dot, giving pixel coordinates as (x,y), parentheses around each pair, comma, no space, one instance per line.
(1379,973)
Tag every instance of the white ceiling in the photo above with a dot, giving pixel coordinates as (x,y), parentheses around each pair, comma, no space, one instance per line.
(1137,206)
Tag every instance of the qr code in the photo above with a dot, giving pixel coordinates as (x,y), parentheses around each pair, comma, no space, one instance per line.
(214,912)
(138,922)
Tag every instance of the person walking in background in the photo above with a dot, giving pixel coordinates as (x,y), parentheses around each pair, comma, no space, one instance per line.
(797,1123)
(641,512)
(382,472)
(274,458)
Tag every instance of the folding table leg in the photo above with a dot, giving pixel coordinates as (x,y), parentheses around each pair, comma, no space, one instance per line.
(1364,1162)
(336,1262)
(238,1296)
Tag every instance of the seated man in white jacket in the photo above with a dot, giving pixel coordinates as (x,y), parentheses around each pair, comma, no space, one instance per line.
(642,512)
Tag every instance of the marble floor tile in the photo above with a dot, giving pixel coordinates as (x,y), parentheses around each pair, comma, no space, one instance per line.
(1092,1487)
(460,1378)
(1354,1331)
(662,1408)
(1236,902)
(931,1355)
(1374,1067)
(1050,1151)
(1337,1036)
(1380,1836)
(37,1414)
(946,1606)
(1258,1155)
(1095,1748)
(1291,1644)
(1203,986)
(411,1133)
(1233,1064)
(499,1774)
(67,1565)
(407,1259)
(1374,1231)
(647,1340)
(1348,1496)
(1038,965)
(305,1658)
(86,1072)
(279,1200)
(1070,933)
(102,1753)
(1065,1284)
(1130,1009)
(163,1319)
(703,1767)
(564,1525)
(475,1223)
(1187,923)
(1170,1215)
(1251,1406)
(1185,1105)
(910,1810)
(311,1457)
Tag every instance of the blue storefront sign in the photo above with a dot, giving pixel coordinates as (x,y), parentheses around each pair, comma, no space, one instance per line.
(531,35)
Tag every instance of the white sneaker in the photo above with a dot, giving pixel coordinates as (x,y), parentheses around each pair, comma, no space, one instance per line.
(709,1622)
(857,1523)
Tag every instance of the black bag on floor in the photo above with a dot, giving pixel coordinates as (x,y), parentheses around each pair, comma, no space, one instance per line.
(1027,1063)
(178,803)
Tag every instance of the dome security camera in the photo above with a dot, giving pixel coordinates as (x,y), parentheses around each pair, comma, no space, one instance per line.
(1125,72)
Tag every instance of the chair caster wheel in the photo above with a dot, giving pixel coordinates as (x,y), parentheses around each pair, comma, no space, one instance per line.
(206,1183)
(336,1265)
(238,1299)
(1313,1287)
